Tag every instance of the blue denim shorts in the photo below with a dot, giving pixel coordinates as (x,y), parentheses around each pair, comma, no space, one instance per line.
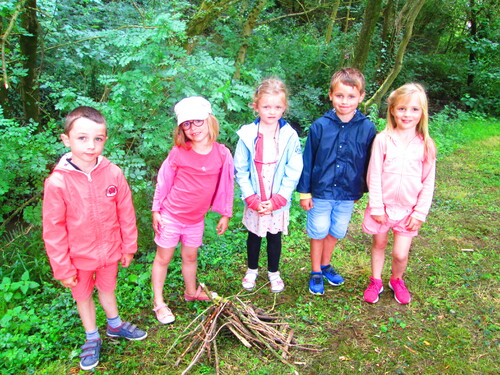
(329,217)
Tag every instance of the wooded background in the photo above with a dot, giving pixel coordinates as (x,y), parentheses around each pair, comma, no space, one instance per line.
(135,59)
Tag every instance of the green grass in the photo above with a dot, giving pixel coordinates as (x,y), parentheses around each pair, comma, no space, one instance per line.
(450,327)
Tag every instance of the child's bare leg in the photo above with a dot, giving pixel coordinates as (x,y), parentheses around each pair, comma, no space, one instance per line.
(378,254)
(329,243)
(86,310)
(400,253)
(159,272)
(189,269)
(108,303)
(316,254)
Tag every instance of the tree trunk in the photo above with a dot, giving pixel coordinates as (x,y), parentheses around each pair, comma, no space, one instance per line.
(473,40)
(408,15)
(29,44)
(370,17)
(209,10)
(348,15)
(245,35)
(388,35)
(329,30)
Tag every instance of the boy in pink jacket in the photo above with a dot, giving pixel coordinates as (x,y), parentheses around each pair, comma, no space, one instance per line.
(89,227)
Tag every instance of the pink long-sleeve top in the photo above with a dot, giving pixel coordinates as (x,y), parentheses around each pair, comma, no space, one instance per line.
(88,219)
(189,183)
(400,178)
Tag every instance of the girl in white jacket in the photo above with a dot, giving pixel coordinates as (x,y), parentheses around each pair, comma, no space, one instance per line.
(268,163)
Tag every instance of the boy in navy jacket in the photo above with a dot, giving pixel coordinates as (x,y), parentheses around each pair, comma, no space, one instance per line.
(336,158)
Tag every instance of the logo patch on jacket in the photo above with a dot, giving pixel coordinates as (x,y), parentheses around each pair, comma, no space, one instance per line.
(111,191)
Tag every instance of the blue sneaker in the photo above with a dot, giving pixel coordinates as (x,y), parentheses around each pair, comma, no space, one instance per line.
(316,284)
(331,276)
(127,330)
(90,354)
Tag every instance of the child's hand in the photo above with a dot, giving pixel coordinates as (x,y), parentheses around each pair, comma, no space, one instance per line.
(381,219)
(126,260)
(266,208)
(70,282)
(157,222)
(306,204)
(222,225)
(413,224)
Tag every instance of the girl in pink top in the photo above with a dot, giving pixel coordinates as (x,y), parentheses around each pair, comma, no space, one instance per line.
(197,174)
(401,184)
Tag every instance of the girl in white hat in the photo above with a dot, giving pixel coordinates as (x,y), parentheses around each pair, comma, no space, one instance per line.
(196,176)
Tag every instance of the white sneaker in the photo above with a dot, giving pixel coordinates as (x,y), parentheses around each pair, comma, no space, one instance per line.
(248,281)
(277,284)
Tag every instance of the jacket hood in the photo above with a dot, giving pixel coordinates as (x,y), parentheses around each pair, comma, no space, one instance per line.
(64,166)
(249,131)
(281,121)
(358,116)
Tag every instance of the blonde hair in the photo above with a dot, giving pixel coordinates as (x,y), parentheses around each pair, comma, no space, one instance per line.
(422,128)
(271,86)
(348,76)
(181,140)
(83,112)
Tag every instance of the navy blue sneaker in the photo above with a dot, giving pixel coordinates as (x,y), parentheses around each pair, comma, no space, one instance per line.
(331,276)
(316,284)
(90,354)
(127,330)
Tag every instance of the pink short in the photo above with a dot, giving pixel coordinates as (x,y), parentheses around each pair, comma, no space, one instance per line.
(104,279)
(173,232)
(370,226)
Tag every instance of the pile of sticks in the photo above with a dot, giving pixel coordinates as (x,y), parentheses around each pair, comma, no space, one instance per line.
(252,326)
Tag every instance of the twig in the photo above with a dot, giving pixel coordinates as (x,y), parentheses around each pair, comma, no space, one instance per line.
(288,341)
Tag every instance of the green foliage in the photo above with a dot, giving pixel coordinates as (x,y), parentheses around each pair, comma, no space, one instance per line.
(25,158)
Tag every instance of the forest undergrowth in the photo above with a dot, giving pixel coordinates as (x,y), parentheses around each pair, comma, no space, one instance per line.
(450,327)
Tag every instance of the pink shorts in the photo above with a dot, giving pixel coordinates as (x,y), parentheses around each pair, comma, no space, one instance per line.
(173,232)
(370,226)
(104,279)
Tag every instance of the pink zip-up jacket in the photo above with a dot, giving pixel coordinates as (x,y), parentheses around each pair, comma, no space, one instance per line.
(88,219)
(400,178)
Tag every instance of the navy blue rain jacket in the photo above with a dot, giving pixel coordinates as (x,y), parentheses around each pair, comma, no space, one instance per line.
(336,157)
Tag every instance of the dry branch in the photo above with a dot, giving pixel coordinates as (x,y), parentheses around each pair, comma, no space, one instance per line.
(252,326)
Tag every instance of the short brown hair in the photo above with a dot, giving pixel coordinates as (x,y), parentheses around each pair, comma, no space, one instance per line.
(180,138)
(85,112)
(348,76)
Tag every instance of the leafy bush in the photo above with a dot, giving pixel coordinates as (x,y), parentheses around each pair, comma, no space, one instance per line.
(26,156)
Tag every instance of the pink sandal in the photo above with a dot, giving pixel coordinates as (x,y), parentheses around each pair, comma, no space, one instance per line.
(197,296)
(165,318)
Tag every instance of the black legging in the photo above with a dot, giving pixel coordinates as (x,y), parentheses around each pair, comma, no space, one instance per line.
(273,250)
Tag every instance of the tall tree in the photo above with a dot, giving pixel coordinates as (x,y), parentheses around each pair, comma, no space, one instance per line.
(406,20)
(208,11)
(370,17)
(333,17)
(248,26)
(348,16)
(28,87)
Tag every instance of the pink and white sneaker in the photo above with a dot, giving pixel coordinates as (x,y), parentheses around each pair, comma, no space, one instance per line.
(401,293)
(371,294)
